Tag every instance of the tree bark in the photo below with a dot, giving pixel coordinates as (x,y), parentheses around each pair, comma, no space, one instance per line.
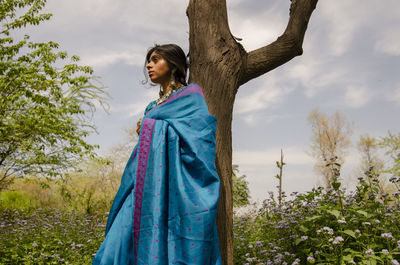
(219,64)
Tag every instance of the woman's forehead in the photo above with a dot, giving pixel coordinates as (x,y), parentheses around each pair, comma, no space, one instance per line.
(154,55)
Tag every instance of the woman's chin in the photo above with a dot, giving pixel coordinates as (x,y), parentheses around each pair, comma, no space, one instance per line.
(154,80)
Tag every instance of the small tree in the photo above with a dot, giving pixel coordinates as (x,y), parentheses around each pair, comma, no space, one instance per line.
(45,103)
(280,164)
(370,161)
(330,139)
(392,144)
(118,155)
(240,188)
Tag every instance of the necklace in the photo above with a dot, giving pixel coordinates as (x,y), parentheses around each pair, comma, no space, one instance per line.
(166,96)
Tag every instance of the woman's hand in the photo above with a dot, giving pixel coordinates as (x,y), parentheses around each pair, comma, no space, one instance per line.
(139,123)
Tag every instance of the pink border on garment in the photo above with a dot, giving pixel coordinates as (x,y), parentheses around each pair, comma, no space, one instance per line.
(189,89)
(144,150)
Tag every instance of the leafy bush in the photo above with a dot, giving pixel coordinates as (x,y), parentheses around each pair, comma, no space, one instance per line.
(75,192)
(49,236)
(17,200)
(316,227)
(322,227)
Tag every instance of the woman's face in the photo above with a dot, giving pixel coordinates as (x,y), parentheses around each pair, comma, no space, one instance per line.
(158,69)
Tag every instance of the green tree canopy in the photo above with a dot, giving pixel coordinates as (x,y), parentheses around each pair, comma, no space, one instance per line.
(240,188)
(47,100)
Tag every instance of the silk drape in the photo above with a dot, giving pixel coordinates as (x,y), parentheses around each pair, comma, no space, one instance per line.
(165,209)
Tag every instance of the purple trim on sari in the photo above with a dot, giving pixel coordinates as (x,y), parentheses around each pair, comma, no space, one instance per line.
(144,150)
(189,89)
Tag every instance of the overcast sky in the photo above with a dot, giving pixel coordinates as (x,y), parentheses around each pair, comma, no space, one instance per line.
(350,64)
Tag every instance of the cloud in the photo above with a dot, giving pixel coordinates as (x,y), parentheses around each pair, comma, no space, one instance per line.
(292,155)
(344,19)
(253,35)
(102,58)
(257,23)
(298,173)
(357,96)
(341,23)
(253,119)
(105,32)
(314,74)
(261,99)
(389,43)
(268,90)
(260,169)
(395,96)
(264,93)
(135,108)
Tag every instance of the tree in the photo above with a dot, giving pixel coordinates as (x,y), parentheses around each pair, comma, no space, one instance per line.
(240,188)
(392,145)
(45,103)
(329,141)
(220,65)
(94,188)
(370,161)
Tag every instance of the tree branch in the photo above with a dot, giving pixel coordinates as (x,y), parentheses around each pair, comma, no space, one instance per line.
(286,47)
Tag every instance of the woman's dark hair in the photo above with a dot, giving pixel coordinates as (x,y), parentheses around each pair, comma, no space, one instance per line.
(175,58)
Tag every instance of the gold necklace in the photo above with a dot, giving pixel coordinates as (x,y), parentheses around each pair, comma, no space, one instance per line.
(166,96)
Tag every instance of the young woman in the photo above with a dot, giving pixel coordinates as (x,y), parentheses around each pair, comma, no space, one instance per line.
(165,209)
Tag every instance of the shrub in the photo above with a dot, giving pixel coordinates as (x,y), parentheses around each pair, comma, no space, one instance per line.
(322,227)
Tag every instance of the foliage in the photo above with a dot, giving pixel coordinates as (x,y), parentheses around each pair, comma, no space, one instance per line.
(330,138)
(392,145)
(49,236)
(240,188)
(371,163)
(93,190)
(18,200)
(315,227)
(46,99)
(87,192)
(280,164)
(322,227)
(368,146)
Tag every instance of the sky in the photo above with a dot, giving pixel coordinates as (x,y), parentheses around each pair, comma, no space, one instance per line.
(350,64)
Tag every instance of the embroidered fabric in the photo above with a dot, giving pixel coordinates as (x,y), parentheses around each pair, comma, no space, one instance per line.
(165,209)
(166,96)
(161,100)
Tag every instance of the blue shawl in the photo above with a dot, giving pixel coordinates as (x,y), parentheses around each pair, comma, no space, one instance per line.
(165,209)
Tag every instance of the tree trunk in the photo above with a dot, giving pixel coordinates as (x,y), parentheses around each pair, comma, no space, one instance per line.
(219,64)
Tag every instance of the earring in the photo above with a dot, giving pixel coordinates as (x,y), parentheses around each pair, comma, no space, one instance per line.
(173,82)
(161,92)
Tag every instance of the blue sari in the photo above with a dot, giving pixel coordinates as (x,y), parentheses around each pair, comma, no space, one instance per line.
(165,209)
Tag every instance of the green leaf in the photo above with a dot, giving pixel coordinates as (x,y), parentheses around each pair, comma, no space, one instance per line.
(336,185)
(350,233)
(362,212)
(348,258)
(336,213)
(314,217)
(303,229)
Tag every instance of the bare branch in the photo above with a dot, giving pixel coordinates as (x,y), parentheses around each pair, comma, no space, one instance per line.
(286,47)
